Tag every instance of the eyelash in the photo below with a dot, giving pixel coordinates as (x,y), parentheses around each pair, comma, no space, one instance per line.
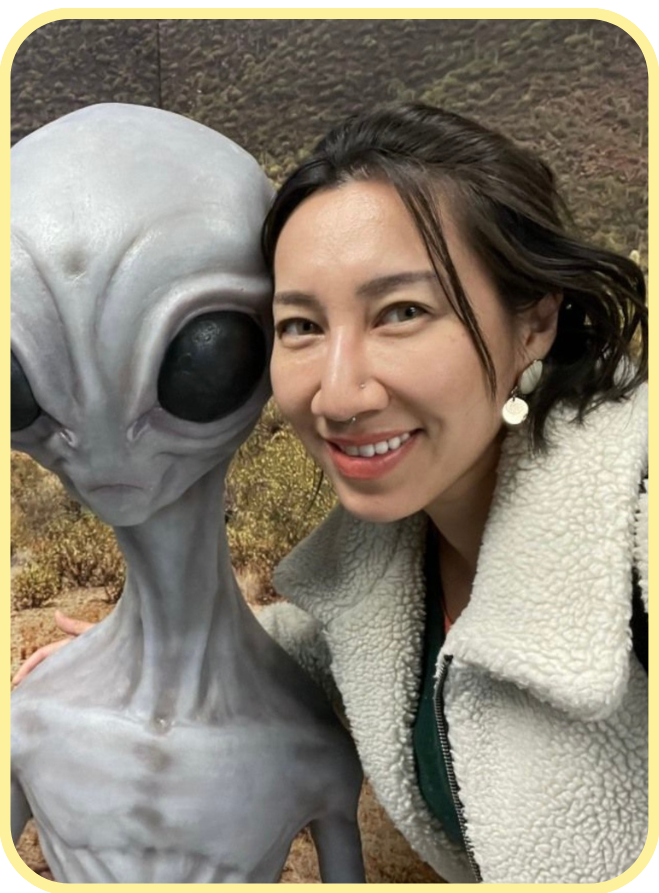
(420,311)
(284,328)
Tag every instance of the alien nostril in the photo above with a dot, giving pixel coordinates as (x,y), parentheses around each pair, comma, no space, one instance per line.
(68,437)
(136,429)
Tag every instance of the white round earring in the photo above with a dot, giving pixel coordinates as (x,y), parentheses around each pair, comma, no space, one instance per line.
(516,409)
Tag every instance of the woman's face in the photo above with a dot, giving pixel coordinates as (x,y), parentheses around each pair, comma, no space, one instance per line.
(364,331)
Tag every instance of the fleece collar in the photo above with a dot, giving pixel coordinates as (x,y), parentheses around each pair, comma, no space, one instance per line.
(550,605)
(365,584)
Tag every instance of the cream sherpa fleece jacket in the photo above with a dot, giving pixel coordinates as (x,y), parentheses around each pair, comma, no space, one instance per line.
(545,702)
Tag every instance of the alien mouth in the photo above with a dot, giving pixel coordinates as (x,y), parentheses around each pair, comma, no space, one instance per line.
(115,489)
(379,448)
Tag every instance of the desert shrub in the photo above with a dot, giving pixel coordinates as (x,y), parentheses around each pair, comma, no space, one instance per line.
(37,500)
(34,587)
(67,546)
(275,497)
(84,553)
(79,552)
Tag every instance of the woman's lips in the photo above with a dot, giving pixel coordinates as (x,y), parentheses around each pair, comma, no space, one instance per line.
(367,468)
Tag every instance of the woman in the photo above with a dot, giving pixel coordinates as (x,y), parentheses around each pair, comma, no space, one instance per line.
(469,376)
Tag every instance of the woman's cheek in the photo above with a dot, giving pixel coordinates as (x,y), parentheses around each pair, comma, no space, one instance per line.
(278,377)
(290,403)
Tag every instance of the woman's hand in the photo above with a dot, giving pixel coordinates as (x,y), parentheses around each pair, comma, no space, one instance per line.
(68,625)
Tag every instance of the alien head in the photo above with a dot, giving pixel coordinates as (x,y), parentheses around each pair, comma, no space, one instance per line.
(141,320)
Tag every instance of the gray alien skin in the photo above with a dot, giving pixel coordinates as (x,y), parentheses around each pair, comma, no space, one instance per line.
(175,741)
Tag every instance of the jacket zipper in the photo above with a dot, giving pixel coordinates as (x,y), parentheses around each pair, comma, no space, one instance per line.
(442,730)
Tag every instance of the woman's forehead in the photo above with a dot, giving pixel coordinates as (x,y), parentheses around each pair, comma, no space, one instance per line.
(356,222)
(359,225)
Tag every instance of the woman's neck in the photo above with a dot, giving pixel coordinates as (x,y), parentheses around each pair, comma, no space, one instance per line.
(460,517)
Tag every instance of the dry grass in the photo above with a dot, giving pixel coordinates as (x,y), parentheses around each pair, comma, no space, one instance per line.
(274,498)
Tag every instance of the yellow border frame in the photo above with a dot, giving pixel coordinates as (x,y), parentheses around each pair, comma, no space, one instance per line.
(291,13)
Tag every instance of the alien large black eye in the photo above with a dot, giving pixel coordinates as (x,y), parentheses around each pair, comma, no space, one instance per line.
(212,366)
(24,408)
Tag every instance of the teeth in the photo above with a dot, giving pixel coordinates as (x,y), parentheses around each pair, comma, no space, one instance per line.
(368,450)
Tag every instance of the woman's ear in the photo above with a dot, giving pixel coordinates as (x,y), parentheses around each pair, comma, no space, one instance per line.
(539,324)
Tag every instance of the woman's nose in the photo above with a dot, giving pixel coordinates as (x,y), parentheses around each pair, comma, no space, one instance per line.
(349,384)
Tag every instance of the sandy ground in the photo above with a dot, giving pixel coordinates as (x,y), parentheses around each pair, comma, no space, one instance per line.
(388,857)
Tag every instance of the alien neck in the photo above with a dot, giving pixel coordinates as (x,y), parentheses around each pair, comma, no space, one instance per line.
(181,605)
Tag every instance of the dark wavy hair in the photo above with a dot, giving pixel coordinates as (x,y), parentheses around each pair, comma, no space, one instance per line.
(507,205)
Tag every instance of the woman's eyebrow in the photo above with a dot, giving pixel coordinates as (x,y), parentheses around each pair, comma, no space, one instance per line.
(374,288)
(382,285)
(295,299)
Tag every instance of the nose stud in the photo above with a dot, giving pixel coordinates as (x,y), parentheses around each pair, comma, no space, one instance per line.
(353,419)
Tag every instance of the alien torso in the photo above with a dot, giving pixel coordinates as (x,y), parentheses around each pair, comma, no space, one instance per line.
(219,798)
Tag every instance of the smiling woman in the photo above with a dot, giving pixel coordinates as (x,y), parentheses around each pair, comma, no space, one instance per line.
(468,372)
(360,366)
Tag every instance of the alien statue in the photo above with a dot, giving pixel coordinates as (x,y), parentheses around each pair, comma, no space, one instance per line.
(176,741)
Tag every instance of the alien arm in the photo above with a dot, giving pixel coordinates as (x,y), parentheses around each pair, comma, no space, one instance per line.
(20,810)
(335,831)
(339,849)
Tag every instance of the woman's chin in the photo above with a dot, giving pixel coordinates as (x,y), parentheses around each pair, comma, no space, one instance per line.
(375,509)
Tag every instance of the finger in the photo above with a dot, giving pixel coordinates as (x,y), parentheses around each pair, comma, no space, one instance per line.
(36,657)
(70,625)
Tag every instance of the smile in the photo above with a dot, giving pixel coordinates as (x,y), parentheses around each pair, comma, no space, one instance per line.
(369,460)
(379,448)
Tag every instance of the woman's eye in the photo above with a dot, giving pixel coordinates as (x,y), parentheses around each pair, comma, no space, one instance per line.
(212,366)
(24,408)
(296,328)
(401,313)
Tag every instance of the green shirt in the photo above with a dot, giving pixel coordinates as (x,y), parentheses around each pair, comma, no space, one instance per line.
(430,763)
